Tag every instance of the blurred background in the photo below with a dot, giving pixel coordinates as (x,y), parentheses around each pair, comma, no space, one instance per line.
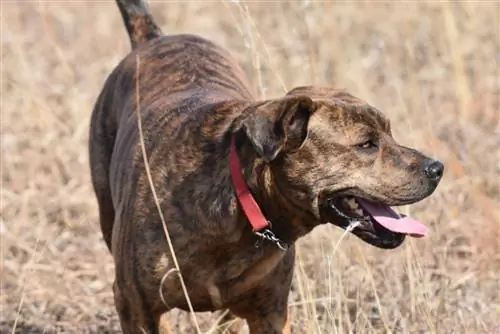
(431,66)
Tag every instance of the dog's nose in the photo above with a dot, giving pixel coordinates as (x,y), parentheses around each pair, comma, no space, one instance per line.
(434,170)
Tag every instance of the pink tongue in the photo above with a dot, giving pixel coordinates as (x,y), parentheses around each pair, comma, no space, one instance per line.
(389,219)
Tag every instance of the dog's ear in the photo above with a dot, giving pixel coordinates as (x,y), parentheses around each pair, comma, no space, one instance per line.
(278,125)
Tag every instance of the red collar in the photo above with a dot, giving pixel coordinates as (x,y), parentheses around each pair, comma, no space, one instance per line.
(248,203)
(260,225)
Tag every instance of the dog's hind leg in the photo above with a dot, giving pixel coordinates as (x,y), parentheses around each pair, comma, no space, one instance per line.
(106,213)
(101,142)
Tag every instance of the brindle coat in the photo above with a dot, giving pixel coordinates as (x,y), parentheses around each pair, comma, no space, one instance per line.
(296,150)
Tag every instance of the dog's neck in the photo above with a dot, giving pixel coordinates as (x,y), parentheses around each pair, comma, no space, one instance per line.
(225,215)
(287,222)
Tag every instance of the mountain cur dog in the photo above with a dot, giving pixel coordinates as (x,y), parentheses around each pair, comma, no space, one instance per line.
(237,181)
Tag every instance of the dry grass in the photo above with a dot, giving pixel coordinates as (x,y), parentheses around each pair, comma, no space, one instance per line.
(433,67)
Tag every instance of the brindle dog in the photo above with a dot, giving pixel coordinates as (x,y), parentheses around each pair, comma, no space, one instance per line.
(313,156)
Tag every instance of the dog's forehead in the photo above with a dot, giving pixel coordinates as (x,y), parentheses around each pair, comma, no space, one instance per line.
(345,113)
(343,108)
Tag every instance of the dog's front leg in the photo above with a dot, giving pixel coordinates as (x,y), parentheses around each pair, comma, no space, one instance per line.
(268,312)
(274,323)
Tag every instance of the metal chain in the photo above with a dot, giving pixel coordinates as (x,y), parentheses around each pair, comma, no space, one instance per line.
(267,234)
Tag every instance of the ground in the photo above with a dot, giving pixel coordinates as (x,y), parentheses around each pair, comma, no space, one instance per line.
(431,66)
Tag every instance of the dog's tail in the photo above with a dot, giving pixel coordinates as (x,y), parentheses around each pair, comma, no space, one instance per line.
(141,26)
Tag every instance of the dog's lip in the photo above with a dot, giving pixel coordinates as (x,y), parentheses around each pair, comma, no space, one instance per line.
(371,217)
(367,230)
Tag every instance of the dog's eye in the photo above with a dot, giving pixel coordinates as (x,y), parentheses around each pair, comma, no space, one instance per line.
(369,144)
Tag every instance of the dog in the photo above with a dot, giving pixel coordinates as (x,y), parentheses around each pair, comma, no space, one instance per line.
(235,180)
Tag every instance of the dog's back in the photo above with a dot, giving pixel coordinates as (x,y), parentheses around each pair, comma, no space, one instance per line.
(167,78)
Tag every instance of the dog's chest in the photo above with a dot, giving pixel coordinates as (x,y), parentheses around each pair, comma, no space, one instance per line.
(220,286)
(243,274)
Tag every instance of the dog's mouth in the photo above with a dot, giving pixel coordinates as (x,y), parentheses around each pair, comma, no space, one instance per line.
(372,221)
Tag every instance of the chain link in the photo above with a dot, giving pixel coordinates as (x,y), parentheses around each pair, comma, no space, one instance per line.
(268,235)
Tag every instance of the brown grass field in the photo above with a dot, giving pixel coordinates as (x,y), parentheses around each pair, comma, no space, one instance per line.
(431,66)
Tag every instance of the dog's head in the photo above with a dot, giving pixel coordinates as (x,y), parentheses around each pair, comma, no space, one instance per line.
(333,156)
